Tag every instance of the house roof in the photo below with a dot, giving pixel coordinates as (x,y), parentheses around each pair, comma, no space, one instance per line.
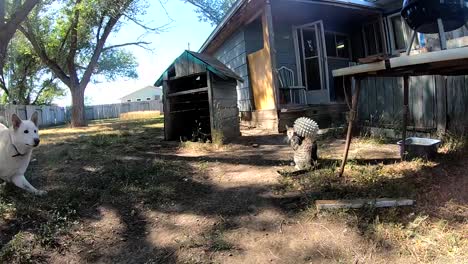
(211,64)
(240,5)
(144,88)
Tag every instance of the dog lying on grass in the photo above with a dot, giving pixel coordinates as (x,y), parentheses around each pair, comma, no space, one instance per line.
(16,145)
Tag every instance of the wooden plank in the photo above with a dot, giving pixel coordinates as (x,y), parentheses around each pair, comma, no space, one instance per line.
(359,203)
(388,105)
(192,91)
(262,80)
(416,100)
(429,107)
(430,57)
(398,98)
(364,68)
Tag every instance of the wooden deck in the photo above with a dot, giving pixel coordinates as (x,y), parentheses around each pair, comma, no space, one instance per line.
(325,115)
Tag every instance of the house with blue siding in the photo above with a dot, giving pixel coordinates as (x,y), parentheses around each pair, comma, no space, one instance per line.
(285,51)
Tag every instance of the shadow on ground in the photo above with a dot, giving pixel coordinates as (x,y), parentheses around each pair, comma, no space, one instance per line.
(131,173)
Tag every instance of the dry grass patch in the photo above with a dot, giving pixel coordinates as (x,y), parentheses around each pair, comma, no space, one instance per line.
(433,231)
(140,115)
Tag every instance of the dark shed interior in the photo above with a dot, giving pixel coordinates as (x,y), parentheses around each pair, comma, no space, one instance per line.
(200,99)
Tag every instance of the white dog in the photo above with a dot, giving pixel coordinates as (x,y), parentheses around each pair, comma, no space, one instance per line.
(16,145)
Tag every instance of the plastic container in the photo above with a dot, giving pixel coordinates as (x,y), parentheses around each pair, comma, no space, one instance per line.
(420,147)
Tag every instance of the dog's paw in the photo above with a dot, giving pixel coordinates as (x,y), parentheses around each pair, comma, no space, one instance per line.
(41,193)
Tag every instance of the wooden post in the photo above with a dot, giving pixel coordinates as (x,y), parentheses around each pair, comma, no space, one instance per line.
(405,115)
(352,118)
(270,45)
(166,109)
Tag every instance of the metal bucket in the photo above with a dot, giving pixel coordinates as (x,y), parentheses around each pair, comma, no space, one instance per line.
(420,147)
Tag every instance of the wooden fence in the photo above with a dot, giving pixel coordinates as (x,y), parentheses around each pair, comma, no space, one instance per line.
(97,112)
(48,115)
(436,102)
(55,115)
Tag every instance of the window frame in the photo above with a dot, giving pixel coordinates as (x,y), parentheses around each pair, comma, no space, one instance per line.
(392,48)
(347,36)
(379,23)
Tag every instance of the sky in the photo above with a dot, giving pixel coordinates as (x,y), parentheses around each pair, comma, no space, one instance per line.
(184,28)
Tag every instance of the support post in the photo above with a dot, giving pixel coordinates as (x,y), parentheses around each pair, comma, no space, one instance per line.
(352,118)
(443,39)
(405,115)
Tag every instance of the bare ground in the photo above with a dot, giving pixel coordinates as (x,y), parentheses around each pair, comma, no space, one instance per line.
(119,194)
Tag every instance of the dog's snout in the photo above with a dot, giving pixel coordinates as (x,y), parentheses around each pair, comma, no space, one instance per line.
(36,142)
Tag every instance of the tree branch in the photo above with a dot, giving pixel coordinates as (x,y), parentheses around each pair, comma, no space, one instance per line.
(19,16)
(157,29)
(44,86)
(139,44)
(73,44)
(3,84)
(98,50)
(41,52)
(208,12)
(2,13)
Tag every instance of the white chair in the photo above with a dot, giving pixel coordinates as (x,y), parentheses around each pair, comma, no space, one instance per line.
(287,83)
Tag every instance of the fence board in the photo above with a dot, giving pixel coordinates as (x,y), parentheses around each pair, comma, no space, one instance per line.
(97,112)
(48,115)
(55,115)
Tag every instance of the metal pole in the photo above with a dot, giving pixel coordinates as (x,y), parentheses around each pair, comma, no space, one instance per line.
(443,39)
(405,115)
(410,45)
(352,118)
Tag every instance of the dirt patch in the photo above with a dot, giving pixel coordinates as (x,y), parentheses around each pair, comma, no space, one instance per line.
(119,194)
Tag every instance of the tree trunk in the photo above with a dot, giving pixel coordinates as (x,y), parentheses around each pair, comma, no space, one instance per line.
(78,110)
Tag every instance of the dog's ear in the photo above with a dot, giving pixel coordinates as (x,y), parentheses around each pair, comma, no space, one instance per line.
(16,121)
(35,118)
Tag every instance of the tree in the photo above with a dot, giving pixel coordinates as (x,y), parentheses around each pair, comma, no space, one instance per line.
(25,79)
(70,38)
(12,14)
(212,11)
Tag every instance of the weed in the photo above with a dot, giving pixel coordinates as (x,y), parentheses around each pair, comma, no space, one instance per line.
(19,248)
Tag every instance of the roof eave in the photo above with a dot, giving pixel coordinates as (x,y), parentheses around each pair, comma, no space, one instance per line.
(218,28)
(239,3)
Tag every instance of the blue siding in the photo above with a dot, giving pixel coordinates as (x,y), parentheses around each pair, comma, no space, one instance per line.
(285,50)
(254,36)
(233,54)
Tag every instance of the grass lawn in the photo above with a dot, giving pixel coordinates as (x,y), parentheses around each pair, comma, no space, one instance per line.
(117,193)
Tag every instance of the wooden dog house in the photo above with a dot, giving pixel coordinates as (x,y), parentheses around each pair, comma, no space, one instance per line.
(199,95)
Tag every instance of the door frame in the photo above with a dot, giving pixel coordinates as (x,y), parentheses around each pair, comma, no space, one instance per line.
(321,55)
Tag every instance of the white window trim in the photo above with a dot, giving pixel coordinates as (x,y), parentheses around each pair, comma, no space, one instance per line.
(323,72)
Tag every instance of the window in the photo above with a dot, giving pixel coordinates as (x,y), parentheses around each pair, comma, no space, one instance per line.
(337,45)
(399,33)
(372,36)
(138,100)
(310,57)
(148,99)
(129,100)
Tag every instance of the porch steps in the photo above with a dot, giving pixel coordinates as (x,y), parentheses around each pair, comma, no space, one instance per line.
(326,116)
